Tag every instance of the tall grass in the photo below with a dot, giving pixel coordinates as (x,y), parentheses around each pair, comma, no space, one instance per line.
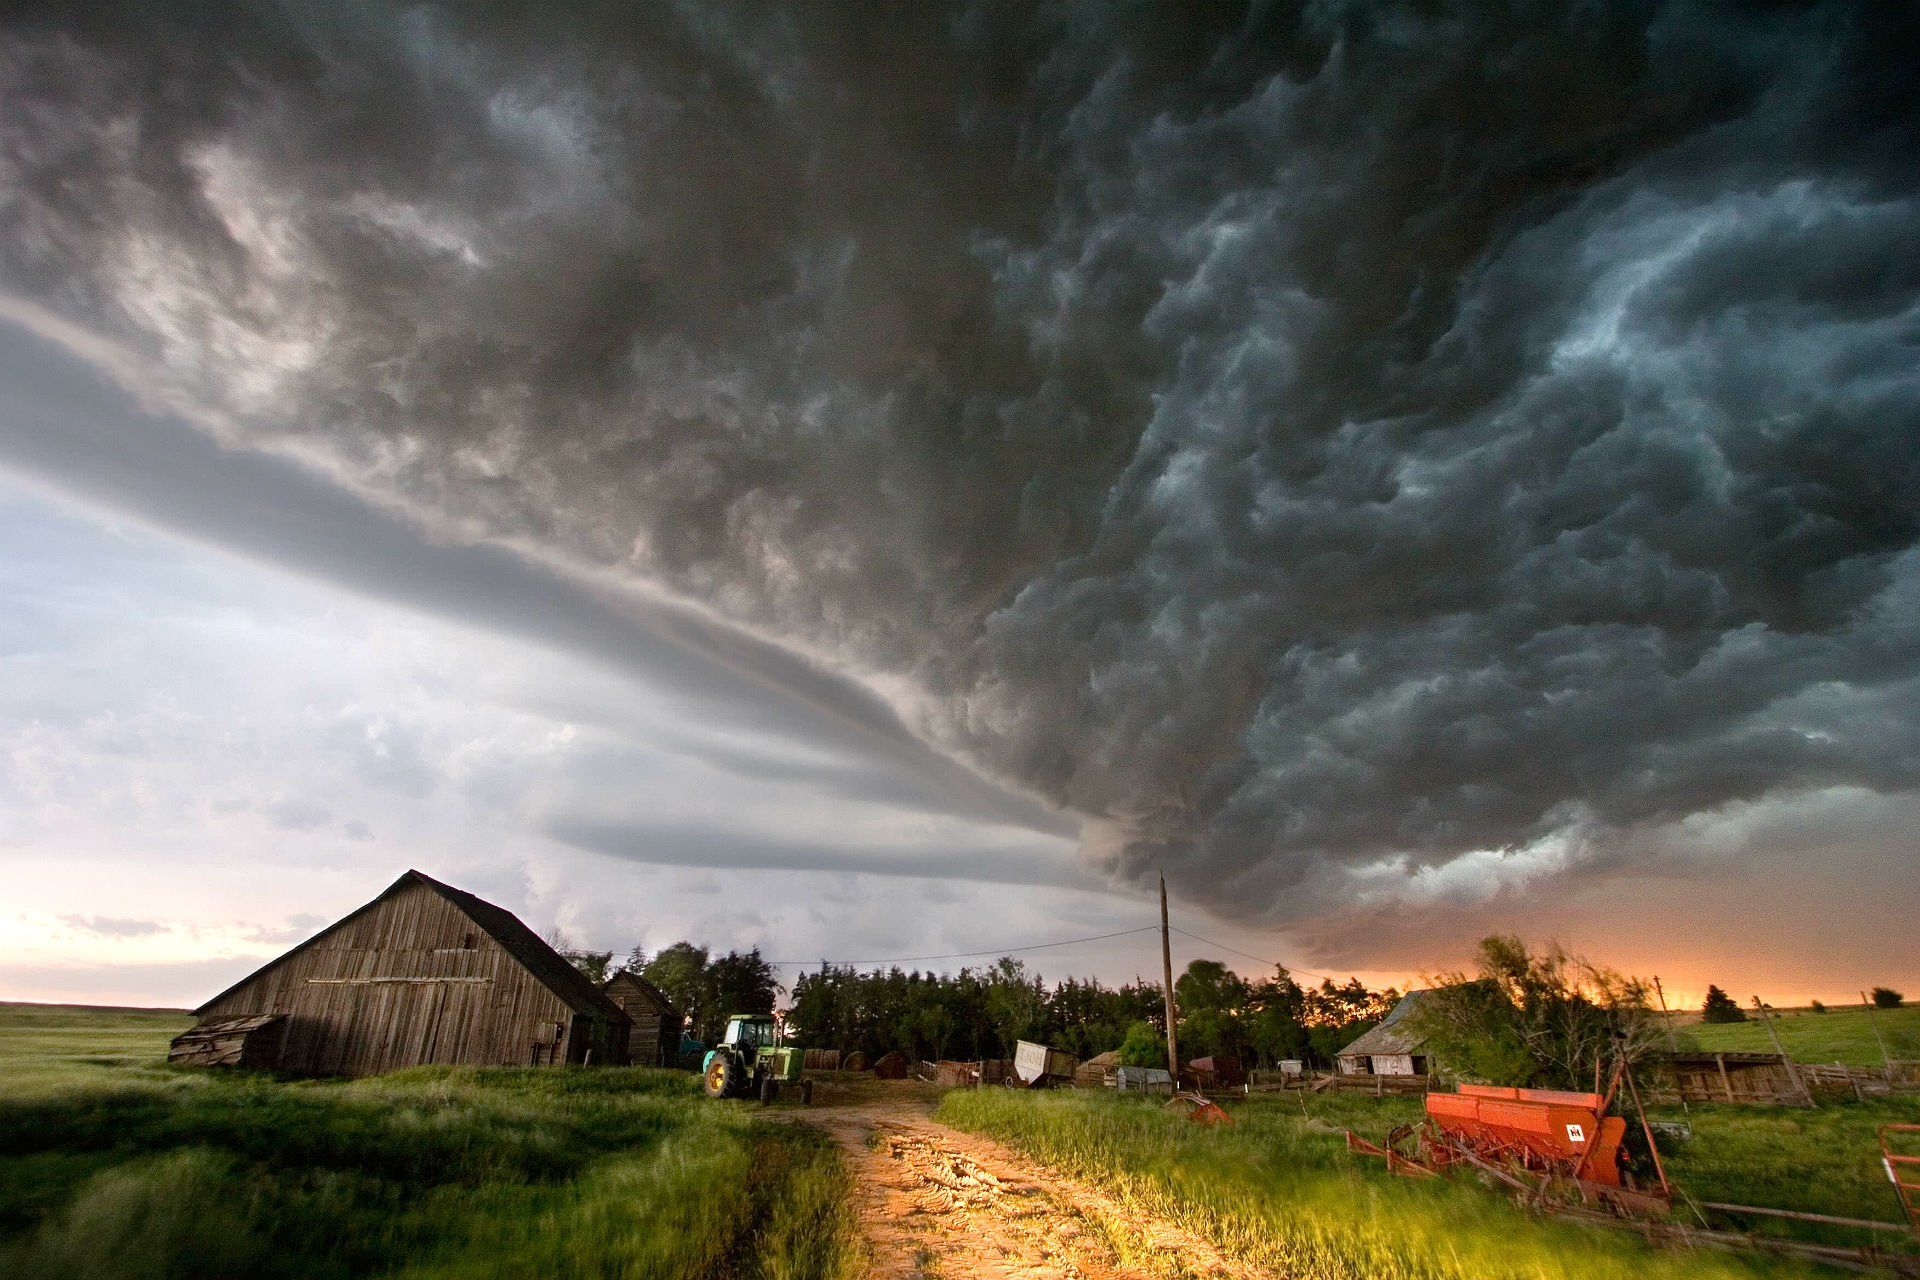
(114,1167)
(1280,1188)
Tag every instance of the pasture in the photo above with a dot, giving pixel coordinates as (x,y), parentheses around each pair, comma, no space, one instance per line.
(1838,1035)
(113,1165)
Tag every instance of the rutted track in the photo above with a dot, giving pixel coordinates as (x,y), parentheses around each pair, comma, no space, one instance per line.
(936,1202)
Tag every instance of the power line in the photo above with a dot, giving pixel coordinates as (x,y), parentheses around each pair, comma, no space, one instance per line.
(1248,955)
(1044,946)
(966,955)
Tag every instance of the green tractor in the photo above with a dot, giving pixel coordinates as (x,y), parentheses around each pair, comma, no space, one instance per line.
(750,1061)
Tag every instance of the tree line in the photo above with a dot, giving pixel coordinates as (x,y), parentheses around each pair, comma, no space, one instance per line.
(982,1013)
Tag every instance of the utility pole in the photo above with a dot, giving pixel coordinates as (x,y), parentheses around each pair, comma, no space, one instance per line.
(1666,1015)
(1873,1020)
(1166,968)
(1673,1047)
(1793,1072)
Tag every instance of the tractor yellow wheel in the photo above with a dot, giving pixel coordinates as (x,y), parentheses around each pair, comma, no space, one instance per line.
(718,1078)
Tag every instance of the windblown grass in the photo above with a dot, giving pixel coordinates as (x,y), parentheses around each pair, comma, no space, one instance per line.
(1279,1187)
(1820,1161)
(112,1166)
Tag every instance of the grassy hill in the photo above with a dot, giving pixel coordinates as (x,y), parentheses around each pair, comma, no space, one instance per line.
(1839,1035)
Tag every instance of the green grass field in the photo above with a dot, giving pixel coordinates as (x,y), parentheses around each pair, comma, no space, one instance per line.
(114,1165)
(1281,1186)
(1838,1035)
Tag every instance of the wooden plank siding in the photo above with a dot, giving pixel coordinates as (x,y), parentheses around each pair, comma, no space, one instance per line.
(655,1038)
(413,978)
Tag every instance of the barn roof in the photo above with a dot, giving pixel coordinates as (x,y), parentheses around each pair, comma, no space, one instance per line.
(505,928)
(1395,1035)
(628,978)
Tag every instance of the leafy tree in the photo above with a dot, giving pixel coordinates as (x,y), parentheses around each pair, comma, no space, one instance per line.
(1816,1006)
(680,973)
(737,982)
(1886,998)
(1144,1046)
(591,964)
(1535,1019)
(1214,1002)
(1721,1007)
(1015,1003)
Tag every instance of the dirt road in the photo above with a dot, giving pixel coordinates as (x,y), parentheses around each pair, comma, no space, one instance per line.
(937,1202)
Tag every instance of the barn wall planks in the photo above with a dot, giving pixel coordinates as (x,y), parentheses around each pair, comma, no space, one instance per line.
(410,979)
(655,1038)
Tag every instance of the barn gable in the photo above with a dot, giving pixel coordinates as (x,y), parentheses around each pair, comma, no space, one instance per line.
(427,973)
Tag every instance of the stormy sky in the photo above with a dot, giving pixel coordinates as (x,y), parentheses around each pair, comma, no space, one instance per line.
(862,481)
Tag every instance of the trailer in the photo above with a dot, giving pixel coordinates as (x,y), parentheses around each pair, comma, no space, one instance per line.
(1035,1065)
(1552,1147)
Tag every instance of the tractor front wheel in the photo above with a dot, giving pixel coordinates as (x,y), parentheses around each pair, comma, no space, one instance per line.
(719,1078)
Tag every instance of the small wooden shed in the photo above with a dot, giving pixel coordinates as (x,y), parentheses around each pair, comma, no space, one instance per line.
(1098,1072)
(423,973)
(1394,1048)
(655,1038)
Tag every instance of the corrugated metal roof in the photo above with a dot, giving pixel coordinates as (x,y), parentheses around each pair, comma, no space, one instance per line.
(1394,1035)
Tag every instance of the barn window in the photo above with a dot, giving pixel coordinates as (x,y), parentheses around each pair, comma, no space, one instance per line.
(466,942)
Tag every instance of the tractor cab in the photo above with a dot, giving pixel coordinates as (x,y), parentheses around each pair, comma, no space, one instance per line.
(752,1031)
(750,1060)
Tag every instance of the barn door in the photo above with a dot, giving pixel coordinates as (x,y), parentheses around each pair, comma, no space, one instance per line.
(409,1024)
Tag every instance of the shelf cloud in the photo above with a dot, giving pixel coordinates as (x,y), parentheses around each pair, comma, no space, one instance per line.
(1345,454)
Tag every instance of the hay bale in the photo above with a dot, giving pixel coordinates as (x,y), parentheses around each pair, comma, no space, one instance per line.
(855,1061)
(893,1066)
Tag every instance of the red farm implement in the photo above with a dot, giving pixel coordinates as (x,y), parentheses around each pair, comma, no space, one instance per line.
(1553,1149)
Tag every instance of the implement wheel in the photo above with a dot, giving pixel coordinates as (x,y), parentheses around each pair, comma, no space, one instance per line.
(719,1078)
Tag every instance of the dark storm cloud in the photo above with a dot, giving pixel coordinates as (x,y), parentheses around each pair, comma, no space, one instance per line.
(672,845)
(1304,441)
(62,424)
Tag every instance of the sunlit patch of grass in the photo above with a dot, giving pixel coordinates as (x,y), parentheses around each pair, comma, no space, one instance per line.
(146,1171)
(1280,1188)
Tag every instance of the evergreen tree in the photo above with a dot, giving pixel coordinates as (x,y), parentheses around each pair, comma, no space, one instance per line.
(1720,1007)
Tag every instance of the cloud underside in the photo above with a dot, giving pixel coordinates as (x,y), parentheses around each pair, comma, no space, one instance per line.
(1322,452)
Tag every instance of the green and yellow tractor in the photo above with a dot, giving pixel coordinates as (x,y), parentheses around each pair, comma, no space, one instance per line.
(750,1061)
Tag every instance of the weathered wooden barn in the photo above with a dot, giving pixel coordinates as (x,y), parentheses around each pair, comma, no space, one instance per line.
(1394,1048)
(423,973)
(655,1038)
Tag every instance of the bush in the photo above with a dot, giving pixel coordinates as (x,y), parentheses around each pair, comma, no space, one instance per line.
(1816,1007)
(1887,998)
(1143,1047)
